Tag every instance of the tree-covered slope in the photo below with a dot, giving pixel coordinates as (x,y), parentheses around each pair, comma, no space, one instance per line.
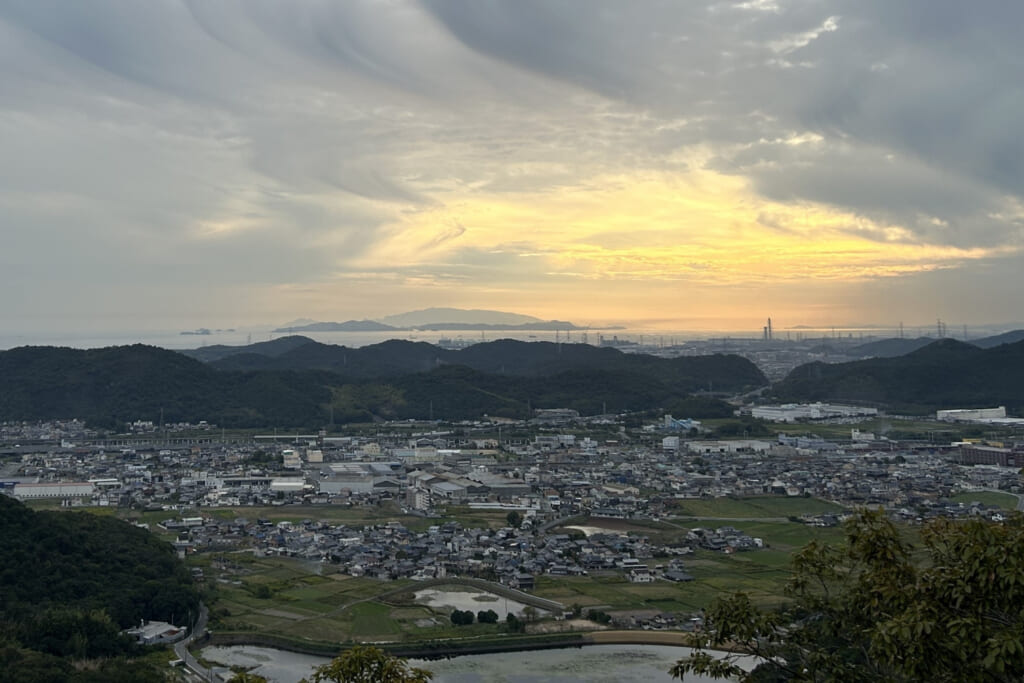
(108,387)
(72,582)
(77,560)
(111,386)
(274,347)
(944,374)
(889,348)
(504,357)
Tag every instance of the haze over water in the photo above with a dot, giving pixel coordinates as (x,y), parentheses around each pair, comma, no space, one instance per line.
(174,340)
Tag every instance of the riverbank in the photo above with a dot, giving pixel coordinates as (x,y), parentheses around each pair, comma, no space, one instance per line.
(454,648)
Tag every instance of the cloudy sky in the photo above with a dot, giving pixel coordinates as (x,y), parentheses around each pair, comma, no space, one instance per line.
(184,163)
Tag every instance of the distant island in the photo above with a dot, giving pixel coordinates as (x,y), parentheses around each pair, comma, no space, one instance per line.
(432,319)
(348,326)
(202,331)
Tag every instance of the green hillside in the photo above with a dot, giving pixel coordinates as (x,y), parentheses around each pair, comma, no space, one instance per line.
(394,380)
(944,374)
(71,583)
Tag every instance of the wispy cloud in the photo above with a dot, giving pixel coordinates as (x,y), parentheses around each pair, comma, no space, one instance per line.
(255,157)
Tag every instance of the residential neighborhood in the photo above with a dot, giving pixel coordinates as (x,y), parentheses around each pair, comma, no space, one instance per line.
(539,482)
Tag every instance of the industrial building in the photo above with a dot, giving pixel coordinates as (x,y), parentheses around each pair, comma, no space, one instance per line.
(791,412)
(971,414)
(68,489)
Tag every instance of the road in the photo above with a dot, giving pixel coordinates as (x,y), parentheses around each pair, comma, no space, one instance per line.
(181,647)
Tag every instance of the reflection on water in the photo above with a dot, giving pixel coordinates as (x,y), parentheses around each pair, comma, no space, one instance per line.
(592,664)
(276,666)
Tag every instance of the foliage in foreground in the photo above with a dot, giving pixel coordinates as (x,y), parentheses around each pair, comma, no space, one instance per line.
(366,664)
(878,609)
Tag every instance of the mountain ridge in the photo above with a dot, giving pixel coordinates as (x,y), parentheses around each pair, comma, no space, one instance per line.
(296,382)
(944,374)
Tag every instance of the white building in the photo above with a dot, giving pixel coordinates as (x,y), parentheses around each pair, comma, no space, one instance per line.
(966,415)
(54,490)
(791,412)
(292,485)
(290,460)
(157,632)
(734,446)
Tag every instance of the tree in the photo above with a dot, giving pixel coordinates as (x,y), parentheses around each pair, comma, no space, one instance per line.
(487,617)
(366,664)
(875,608)
(515,624)
(514,519)
(246,677)
(462,617)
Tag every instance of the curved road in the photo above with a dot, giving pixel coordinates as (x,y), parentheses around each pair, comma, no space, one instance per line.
(181,647)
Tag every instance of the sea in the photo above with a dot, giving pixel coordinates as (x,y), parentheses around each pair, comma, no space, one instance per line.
(625,337)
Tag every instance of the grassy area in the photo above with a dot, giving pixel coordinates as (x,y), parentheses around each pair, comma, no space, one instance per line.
(1006,501)
(928,430)
(299,604)
(471,519)
(762,574)
(754,508)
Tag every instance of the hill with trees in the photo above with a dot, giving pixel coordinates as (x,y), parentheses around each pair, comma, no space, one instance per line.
(72,582)
(295,382)
(110,386)
(944,374)
(503,357)
(899,346)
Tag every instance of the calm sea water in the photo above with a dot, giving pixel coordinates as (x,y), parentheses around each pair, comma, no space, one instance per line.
(177,341)
(592,664)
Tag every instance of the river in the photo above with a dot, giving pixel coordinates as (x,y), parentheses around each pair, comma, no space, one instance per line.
(590,664)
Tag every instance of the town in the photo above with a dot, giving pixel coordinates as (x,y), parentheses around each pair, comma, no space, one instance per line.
(538,473)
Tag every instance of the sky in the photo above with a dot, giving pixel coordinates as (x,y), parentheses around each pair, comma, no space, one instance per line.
(685,165)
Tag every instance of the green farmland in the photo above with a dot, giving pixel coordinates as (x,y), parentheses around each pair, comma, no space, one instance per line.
(306,603)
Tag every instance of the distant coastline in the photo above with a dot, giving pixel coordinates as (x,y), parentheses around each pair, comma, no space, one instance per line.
(374,326)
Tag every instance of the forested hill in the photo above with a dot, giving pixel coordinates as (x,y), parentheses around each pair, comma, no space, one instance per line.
(505,357)
(944,374)
(888,348)
(393,380)
(108,387)
(71,583)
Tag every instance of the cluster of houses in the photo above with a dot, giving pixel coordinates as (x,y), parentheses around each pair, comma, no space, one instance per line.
(513,556)
(546,476)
